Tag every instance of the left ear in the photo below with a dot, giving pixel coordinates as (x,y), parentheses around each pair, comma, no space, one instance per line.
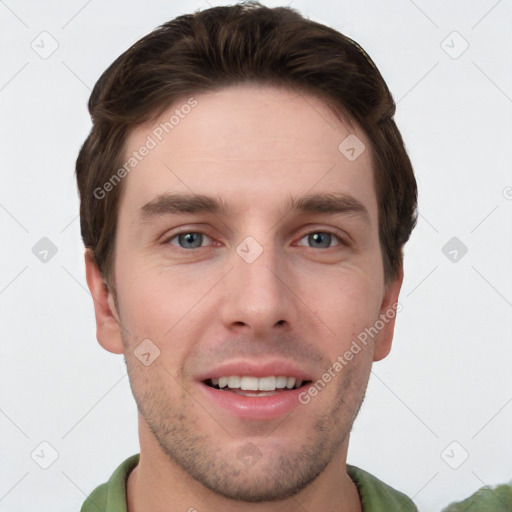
(387,316)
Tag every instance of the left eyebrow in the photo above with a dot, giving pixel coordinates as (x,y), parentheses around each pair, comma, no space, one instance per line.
(321,203)
(329,203)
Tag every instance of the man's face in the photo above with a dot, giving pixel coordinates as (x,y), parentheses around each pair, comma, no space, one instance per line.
(261,290)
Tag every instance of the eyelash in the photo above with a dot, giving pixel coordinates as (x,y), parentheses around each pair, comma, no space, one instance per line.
(342,242)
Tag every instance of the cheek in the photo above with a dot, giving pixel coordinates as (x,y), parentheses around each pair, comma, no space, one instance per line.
(346,306)
(162,306)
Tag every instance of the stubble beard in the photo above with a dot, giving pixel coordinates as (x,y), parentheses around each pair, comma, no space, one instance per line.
(276,475)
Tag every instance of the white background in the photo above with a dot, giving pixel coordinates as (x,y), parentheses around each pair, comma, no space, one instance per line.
(448,376)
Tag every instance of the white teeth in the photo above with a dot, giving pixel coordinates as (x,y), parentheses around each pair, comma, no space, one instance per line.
(234,382)
(281,382)
(267,384)
(249,383)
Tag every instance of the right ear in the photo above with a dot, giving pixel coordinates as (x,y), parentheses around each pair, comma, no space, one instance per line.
(108,329)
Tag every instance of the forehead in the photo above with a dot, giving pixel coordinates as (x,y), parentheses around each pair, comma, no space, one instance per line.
(250,144)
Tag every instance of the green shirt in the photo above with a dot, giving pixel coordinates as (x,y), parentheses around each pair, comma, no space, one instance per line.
(486,499)
(375,495)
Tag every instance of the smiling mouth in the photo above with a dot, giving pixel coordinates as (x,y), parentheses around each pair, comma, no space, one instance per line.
(254,386)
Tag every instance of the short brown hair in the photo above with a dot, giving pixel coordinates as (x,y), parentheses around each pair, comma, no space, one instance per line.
(227,45)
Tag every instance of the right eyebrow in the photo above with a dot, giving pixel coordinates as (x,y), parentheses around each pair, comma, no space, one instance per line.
(166,204)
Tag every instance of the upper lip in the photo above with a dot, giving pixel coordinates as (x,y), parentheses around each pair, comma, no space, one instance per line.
(255,369)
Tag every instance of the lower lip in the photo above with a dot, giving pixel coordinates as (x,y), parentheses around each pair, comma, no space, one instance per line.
(254,408)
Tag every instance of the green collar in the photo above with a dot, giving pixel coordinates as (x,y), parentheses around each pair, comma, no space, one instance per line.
(375,495)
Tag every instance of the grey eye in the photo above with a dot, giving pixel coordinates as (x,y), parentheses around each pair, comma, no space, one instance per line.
(321,239)
(188,240)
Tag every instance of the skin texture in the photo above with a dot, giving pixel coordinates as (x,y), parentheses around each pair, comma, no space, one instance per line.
(301,300)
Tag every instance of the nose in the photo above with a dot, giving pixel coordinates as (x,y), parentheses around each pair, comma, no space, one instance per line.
(258,291)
